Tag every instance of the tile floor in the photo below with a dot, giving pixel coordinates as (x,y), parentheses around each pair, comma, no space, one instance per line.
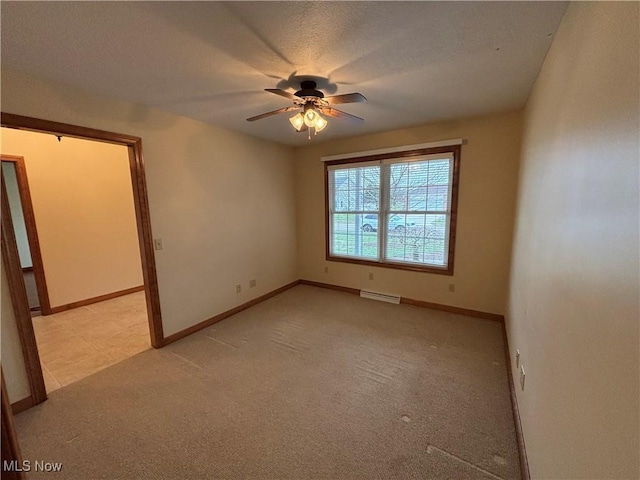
(79,342)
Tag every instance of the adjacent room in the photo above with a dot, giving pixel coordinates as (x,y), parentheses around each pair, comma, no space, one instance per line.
(332,240)
(73,217)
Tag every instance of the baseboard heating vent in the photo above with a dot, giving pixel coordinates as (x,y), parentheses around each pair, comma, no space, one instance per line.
(380,296)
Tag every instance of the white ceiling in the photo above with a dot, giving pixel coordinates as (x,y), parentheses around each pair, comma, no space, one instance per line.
(415,62)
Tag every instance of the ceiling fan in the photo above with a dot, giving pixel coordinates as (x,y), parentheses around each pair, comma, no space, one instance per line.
(312,104)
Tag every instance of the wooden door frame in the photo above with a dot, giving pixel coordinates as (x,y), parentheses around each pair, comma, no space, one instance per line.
(32,232)
(140,199)
(20,304)
(10,445)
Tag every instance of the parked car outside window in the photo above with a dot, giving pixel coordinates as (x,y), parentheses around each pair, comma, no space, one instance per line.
(396,222)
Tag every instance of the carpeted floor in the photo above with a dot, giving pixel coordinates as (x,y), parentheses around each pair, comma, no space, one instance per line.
(312,383)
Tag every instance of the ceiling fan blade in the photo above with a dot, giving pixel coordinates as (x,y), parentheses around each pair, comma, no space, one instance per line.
(282,93)
(346,98)
(268,114)
(334,112)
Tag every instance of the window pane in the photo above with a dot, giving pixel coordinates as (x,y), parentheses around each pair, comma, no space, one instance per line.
(396,231)
(398,186)
(340,189)
(418,173)
(417,238)
(355,235)
(371,199)
(408,186)
(355,195)
(438,197)
(371,185)
(355,189)
(439,171)
(417,198)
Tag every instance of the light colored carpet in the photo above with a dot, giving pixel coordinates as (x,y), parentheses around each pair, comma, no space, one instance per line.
(312,383)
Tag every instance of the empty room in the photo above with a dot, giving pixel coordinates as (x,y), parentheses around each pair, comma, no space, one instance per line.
(359,239)
(84,287)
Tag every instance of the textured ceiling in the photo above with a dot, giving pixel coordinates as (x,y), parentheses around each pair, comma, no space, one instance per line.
(415,62)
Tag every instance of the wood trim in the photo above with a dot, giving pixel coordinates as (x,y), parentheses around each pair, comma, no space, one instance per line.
(522,451)
(100,298)
(145,239)
(403,148)
(455,150)
(403,154)
(140,198)
(387,264)
(31,124)
(354,291)
(19,302)
(22,405)
(418,303)
(327,239)
(330,286)
(32,231)
(27,269)
(454,207)
(207,323)
(451,309)
(10,445)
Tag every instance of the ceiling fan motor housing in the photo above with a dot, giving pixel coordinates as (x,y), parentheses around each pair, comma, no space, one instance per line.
(308,89)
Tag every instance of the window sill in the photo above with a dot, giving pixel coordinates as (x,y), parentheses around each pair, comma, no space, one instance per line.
(397,266)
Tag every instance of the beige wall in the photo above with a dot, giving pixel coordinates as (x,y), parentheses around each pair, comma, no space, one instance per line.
(573,309)
(13,367)
(83,205)
(488,177)
(222,202)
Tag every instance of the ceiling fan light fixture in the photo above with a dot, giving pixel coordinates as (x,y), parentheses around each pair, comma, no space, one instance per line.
(313,103)
(310,117)
(297,121)
(320,124)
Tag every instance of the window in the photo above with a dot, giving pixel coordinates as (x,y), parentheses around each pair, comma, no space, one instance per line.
(396,210)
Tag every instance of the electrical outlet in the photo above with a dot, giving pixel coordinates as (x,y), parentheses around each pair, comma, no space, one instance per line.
(517,358)
(522,375)
(157,243)
(370,275)
(238,288)
(326,269)
(452,287)
(253,283)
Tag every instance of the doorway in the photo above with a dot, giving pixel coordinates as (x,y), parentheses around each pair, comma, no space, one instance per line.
(27,265)
(19,200)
